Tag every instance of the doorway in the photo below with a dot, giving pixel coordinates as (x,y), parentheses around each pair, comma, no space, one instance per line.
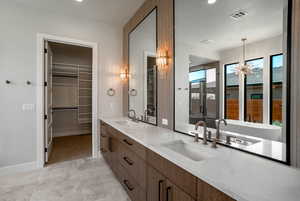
(68,128)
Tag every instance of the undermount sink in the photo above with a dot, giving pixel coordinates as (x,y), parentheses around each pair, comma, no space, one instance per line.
(129,123)
(186,150)
(241,140)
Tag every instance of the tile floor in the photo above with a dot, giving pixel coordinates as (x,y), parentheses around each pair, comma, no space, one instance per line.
(78,180)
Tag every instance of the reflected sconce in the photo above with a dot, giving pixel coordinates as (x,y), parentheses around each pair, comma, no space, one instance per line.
(162,63)
(124,75)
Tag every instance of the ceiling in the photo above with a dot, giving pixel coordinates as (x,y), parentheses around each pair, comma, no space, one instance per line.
(109,11)
(196,21)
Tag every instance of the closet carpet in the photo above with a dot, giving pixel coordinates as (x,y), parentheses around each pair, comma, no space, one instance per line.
(78,180)
(70,148)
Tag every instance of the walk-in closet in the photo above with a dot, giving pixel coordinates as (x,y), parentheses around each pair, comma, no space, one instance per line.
(69,96)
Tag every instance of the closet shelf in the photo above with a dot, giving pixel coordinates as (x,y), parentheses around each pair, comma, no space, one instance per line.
(85,96)
(64,108)
(72,65)
(85,120)
(85,80)
(65,75)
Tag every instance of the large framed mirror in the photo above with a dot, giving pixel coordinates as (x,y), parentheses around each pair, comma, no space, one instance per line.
(232,69)
(142,69)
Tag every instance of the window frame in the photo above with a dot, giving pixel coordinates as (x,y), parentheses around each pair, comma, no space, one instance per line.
(225,88)
(271,89)
(245,88)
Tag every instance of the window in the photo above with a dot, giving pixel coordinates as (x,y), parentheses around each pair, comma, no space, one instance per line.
(276,78)
(254,92)
(231,94)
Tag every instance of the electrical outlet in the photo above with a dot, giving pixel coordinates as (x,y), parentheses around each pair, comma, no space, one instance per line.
(164,122)
(28,107)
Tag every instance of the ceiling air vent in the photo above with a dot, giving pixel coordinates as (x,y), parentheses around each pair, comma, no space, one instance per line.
(238,15)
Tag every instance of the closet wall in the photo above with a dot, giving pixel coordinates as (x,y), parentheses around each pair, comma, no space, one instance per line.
(72,90)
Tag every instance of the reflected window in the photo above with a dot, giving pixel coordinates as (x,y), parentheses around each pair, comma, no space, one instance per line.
(231,107)
(254,92)
(276,89)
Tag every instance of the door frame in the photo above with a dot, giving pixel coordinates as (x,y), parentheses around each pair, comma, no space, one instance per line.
(40,92)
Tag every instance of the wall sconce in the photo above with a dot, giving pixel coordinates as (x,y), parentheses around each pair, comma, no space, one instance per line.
(162,63)
(124,75)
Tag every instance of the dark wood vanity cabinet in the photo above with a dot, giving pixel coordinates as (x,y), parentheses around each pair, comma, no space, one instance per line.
(105,145)
(159,188)
(208,193)
(156,185)
(147,176)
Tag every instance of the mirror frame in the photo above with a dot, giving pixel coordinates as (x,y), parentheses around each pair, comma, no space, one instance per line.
(156,45)
(288,86)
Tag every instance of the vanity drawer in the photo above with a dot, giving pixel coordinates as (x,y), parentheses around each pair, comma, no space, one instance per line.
(133,164)
(137,148)
(208,193)
(134,190)
(181,178)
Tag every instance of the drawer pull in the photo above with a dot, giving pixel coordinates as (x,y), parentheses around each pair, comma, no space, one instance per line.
(169,195)
(160,190)
(103,136)
(128,186)
(127,160)
(126,141)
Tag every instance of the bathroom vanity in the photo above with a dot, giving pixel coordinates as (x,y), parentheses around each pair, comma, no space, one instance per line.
(146,175)
(157,164)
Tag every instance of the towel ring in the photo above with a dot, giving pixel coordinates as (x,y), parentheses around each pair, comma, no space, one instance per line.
(111,92)
(133,92)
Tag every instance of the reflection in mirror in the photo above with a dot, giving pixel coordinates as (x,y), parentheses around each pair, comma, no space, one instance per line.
(231,63)
(142,69)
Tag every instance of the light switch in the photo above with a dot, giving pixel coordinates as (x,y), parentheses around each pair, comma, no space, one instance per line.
(165,122)
(28,107)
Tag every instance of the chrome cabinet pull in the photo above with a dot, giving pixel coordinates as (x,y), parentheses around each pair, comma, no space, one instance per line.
(126,141)
(127,160)
(169,195)
(128,186)
(160,190)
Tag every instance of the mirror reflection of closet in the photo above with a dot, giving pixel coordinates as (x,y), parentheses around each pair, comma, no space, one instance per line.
(142,69)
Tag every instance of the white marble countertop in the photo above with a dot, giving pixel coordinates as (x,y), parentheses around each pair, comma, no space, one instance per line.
(242,176)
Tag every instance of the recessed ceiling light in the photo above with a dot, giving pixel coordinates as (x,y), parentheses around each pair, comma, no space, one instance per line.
(211,1)
(79,0)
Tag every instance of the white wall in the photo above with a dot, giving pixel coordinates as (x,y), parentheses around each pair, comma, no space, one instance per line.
(18,42)
(264,49)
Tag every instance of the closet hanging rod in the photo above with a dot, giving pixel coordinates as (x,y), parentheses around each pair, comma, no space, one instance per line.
(64,108)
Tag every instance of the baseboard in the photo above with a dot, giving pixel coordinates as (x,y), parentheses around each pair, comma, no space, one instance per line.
(71,133)
(13,169)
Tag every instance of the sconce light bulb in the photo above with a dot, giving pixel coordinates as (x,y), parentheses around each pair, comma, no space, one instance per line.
(212,1)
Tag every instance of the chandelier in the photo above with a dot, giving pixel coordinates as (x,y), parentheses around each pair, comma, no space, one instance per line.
(243,68)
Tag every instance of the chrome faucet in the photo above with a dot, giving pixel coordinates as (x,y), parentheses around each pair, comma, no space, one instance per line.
(201,123)
(218,122)
(133,118)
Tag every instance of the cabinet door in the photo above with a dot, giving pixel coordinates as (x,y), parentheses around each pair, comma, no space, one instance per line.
(173,193)
(208,193)
(105,145)
(156,188)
